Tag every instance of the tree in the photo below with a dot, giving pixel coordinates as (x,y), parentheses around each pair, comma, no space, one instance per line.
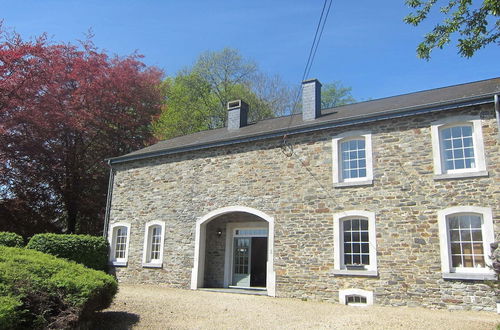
(475,25)
(196,98)
(335,95)
(64,109)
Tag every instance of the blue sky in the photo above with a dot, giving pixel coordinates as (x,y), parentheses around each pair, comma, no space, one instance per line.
(365,44)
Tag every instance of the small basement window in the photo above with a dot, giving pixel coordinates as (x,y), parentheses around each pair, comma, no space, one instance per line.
(355,299)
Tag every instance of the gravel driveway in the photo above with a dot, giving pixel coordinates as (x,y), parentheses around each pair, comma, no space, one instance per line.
(154,307)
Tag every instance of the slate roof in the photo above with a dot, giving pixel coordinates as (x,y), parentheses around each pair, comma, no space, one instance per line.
(402,105)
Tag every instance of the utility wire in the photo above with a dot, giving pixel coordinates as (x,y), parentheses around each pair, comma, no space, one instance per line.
(287,148)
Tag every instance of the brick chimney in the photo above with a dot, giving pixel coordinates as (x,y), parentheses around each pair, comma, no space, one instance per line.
(311,99)
(237,114)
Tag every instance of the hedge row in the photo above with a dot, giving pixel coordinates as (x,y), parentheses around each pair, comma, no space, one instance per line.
(11,239)
(39,290)
(91,251)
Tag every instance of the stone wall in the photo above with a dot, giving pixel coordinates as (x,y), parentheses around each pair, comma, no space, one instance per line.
(181,188)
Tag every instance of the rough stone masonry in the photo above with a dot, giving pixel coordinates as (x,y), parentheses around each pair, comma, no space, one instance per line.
(405,197)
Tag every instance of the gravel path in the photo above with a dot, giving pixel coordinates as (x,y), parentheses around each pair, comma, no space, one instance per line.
(153,307)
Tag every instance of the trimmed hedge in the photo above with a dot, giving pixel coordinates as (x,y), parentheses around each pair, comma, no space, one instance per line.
(38,290)
(11,239)
(91,251)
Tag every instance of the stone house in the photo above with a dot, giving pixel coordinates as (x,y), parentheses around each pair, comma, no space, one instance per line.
(393,201)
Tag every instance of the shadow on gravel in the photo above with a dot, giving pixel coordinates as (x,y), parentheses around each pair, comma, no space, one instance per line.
(114,320)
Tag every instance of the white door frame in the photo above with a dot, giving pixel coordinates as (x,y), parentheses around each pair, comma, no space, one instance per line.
(229,253)
(198,270)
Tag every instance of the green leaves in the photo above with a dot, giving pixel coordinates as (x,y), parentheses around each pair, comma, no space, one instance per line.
(474,27)
(91,251)
(196,98)
(334,95)
(37,289)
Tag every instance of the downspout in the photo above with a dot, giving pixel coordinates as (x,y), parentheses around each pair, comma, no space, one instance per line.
(497,112)
(108,199)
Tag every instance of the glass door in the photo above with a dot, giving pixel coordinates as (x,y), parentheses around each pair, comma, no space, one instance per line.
(242,248)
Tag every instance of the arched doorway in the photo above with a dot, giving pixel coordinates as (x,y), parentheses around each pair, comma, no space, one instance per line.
(240,238)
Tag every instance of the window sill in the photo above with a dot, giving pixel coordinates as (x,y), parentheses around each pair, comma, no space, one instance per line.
(352,183)
(152,265)
(350,272)
(118,263)
(447,176)
(470,276)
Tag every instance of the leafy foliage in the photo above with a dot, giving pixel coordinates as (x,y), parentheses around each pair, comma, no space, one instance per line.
(11,239)
(196,98)
(476,26)
(41,291)
(335,95)
(91,251)
(64,108)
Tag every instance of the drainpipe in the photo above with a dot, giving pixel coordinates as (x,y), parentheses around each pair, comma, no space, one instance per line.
(497,112)
(108,199)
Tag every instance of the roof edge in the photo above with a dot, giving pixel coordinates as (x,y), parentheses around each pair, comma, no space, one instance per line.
(383,115)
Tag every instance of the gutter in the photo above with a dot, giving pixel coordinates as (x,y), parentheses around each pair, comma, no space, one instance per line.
(497,111)
(108,199)
(383,115)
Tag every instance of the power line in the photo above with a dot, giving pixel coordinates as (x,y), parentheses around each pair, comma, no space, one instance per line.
(287,149)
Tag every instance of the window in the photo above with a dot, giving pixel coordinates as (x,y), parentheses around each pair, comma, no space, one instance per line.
(355,243)
(352,159)
(465,236)
(118,241)
(153,244)
(458,148)
(356,297)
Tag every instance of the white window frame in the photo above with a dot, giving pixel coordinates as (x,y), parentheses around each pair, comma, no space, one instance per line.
(343,294)
(118,262)
(146,260)
(338,180)
(440,171)
(338,263)
(447,270)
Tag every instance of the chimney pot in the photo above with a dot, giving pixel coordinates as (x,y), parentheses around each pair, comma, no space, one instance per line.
(237,114)
(311,99)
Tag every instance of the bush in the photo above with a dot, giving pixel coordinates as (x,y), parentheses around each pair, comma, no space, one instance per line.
(39,290)
(11,239)
(91,251)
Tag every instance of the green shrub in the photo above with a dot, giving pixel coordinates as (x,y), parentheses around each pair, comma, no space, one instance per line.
(39,290)
(91,251)
(11,239)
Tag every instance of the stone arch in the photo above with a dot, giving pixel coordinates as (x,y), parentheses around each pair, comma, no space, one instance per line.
(200,242)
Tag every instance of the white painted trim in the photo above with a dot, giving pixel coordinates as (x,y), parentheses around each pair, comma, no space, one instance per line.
(147,240)
(228,256)
(197,272)
(338,240)
(358,292)
(122,262)
(477,137)
(338,181)
(488,238)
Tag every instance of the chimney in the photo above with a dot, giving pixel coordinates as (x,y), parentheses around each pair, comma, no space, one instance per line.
(237,114)
(311,99)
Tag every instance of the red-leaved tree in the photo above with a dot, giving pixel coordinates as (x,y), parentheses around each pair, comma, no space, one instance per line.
(64,108)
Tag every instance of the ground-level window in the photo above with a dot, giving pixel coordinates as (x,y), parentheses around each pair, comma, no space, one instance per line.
(356,297)
(355,243)
(465,236)
(119,241)
(153,244)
